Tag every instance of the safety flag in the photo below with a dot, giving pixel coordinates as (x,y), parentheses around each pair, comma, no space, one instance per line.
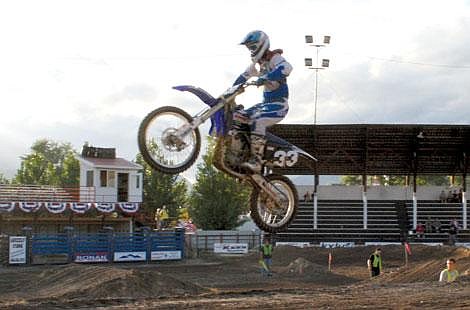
(330,259)
(263,264)
(408,248)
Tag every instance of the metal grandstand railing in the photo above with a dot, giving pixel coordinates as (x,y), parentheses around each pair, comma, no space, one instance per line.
(43,193)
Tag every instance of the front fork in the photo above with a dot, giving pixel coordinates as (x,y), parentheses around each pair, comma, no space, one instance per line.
(262,184)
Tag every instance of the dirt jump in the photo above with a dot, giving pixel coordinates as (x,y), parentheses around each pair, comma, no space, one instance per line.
(301,280)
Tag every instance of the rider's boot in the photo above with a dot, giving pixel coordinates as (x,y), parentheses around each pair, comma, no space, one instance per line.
(257,144)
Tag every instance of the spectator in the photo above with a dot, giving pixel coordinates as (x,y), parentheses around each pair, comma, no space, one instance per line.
(450,274)
(453,230)
(443,197)
(449,197)
(420,231)
(161,218)
(460,195)
(190,227)
(428,225)
(436,226)
(455,196)
(374,263)
(454,222)
(266,252)
(306,196)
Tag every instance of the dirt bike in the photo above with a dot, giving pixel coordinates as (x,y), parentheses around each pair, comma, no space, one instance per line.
(274,198)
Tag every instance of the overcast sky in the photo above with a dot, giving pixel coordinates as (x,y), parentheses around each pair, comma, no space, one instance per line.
(76,71)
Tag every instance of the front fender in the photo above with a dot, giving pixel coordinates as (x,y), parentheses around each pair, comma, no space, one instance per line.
(217,120)
(199,92)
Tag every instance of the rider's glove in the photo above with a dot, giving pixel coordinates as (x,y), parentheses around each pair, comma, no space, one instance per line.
(260,81)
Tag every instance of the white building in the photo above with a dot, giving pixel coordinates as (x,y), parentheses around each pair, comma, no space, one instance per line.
(113,179)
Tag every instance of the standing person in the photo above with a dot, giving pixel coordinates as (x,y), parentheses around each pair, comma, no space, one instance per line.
(158,221)
(449,196)
(450,274)
(163,217)
(374,263)
(307,196)
(453,230)
(272,74)
(266,254)
(443,196)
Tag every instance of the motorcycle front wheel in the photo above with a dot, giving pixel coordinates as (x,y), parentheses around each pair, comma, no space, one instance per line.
(266,213)
(160,145)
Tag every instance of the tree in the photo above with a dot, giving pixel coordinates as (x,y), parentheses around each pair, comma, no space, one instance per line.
(3,179)
(161,189)
(217,200)
(391,180)
(50,163)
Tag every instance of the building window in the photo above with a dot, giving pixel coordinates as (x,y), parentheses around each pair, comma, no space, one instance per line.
(103,178)
(137,181)
(107,178)
(89,178)
(111,178)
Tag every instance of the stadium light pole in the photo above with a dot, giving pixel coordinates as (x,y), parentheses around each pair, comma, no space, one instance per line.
(309,64)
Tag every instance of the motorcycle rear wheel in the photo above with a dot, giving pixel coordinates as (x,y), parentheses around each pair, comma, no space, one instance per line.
(265,213)
(159,145)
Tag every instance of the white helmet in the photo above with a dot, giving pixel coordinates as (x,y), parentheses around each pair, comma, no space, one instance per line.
(258,43)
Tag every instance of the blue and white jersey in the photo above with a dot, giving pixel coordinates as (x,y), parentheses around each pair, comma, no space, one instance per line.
(275,72)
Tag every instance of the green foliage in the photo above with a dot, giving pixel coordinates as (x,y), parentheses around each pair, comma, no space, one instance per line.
(162,189)
(3,179)
(217,199)
(50,163)
(391,180)
(351,180)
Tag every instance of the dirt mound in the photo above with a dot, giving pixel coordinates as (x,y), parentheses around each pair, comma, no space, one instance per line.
(301,266)
(74,281)
(303,270)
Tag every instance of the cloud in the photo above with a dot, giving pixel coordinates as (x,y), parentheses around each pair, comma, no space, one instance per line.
(425,86)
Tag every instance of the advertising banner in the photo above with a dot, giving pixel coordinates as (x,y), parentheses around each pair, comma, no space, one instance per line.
(296,244)
(165,255)
(17,250)
(337,244)
(231,248)
(130,256)
(97,257)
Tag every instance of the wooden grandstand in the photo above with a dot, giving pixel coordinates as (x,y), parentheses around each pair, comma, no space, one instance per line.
(405,150)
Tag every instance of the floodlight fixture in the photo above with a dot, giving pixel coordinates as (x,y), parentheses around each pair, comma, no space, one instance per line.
(324,64)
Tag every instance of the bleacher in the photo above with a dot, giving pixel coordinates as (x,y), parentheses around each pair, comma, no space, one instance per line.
(444,213)
(42,193)
(342,221)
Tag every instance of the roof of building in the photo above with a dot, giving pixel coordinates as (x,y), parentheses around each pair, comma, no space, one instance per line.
(380,149)
(116,163)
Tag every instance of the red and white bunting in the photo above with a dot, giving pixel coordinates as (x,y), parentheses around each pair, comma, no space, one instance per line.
(77,207)
(129,207)
(80,207)
(7,206)
(30,206)
(104,207)
(56,207)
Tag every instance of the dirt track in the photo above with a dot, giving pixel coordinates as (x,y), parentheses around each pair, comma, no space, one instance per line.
(301,281)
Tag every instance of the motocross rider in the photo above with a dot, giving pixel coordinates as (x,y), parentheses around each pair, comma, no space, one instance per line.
(272,73)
